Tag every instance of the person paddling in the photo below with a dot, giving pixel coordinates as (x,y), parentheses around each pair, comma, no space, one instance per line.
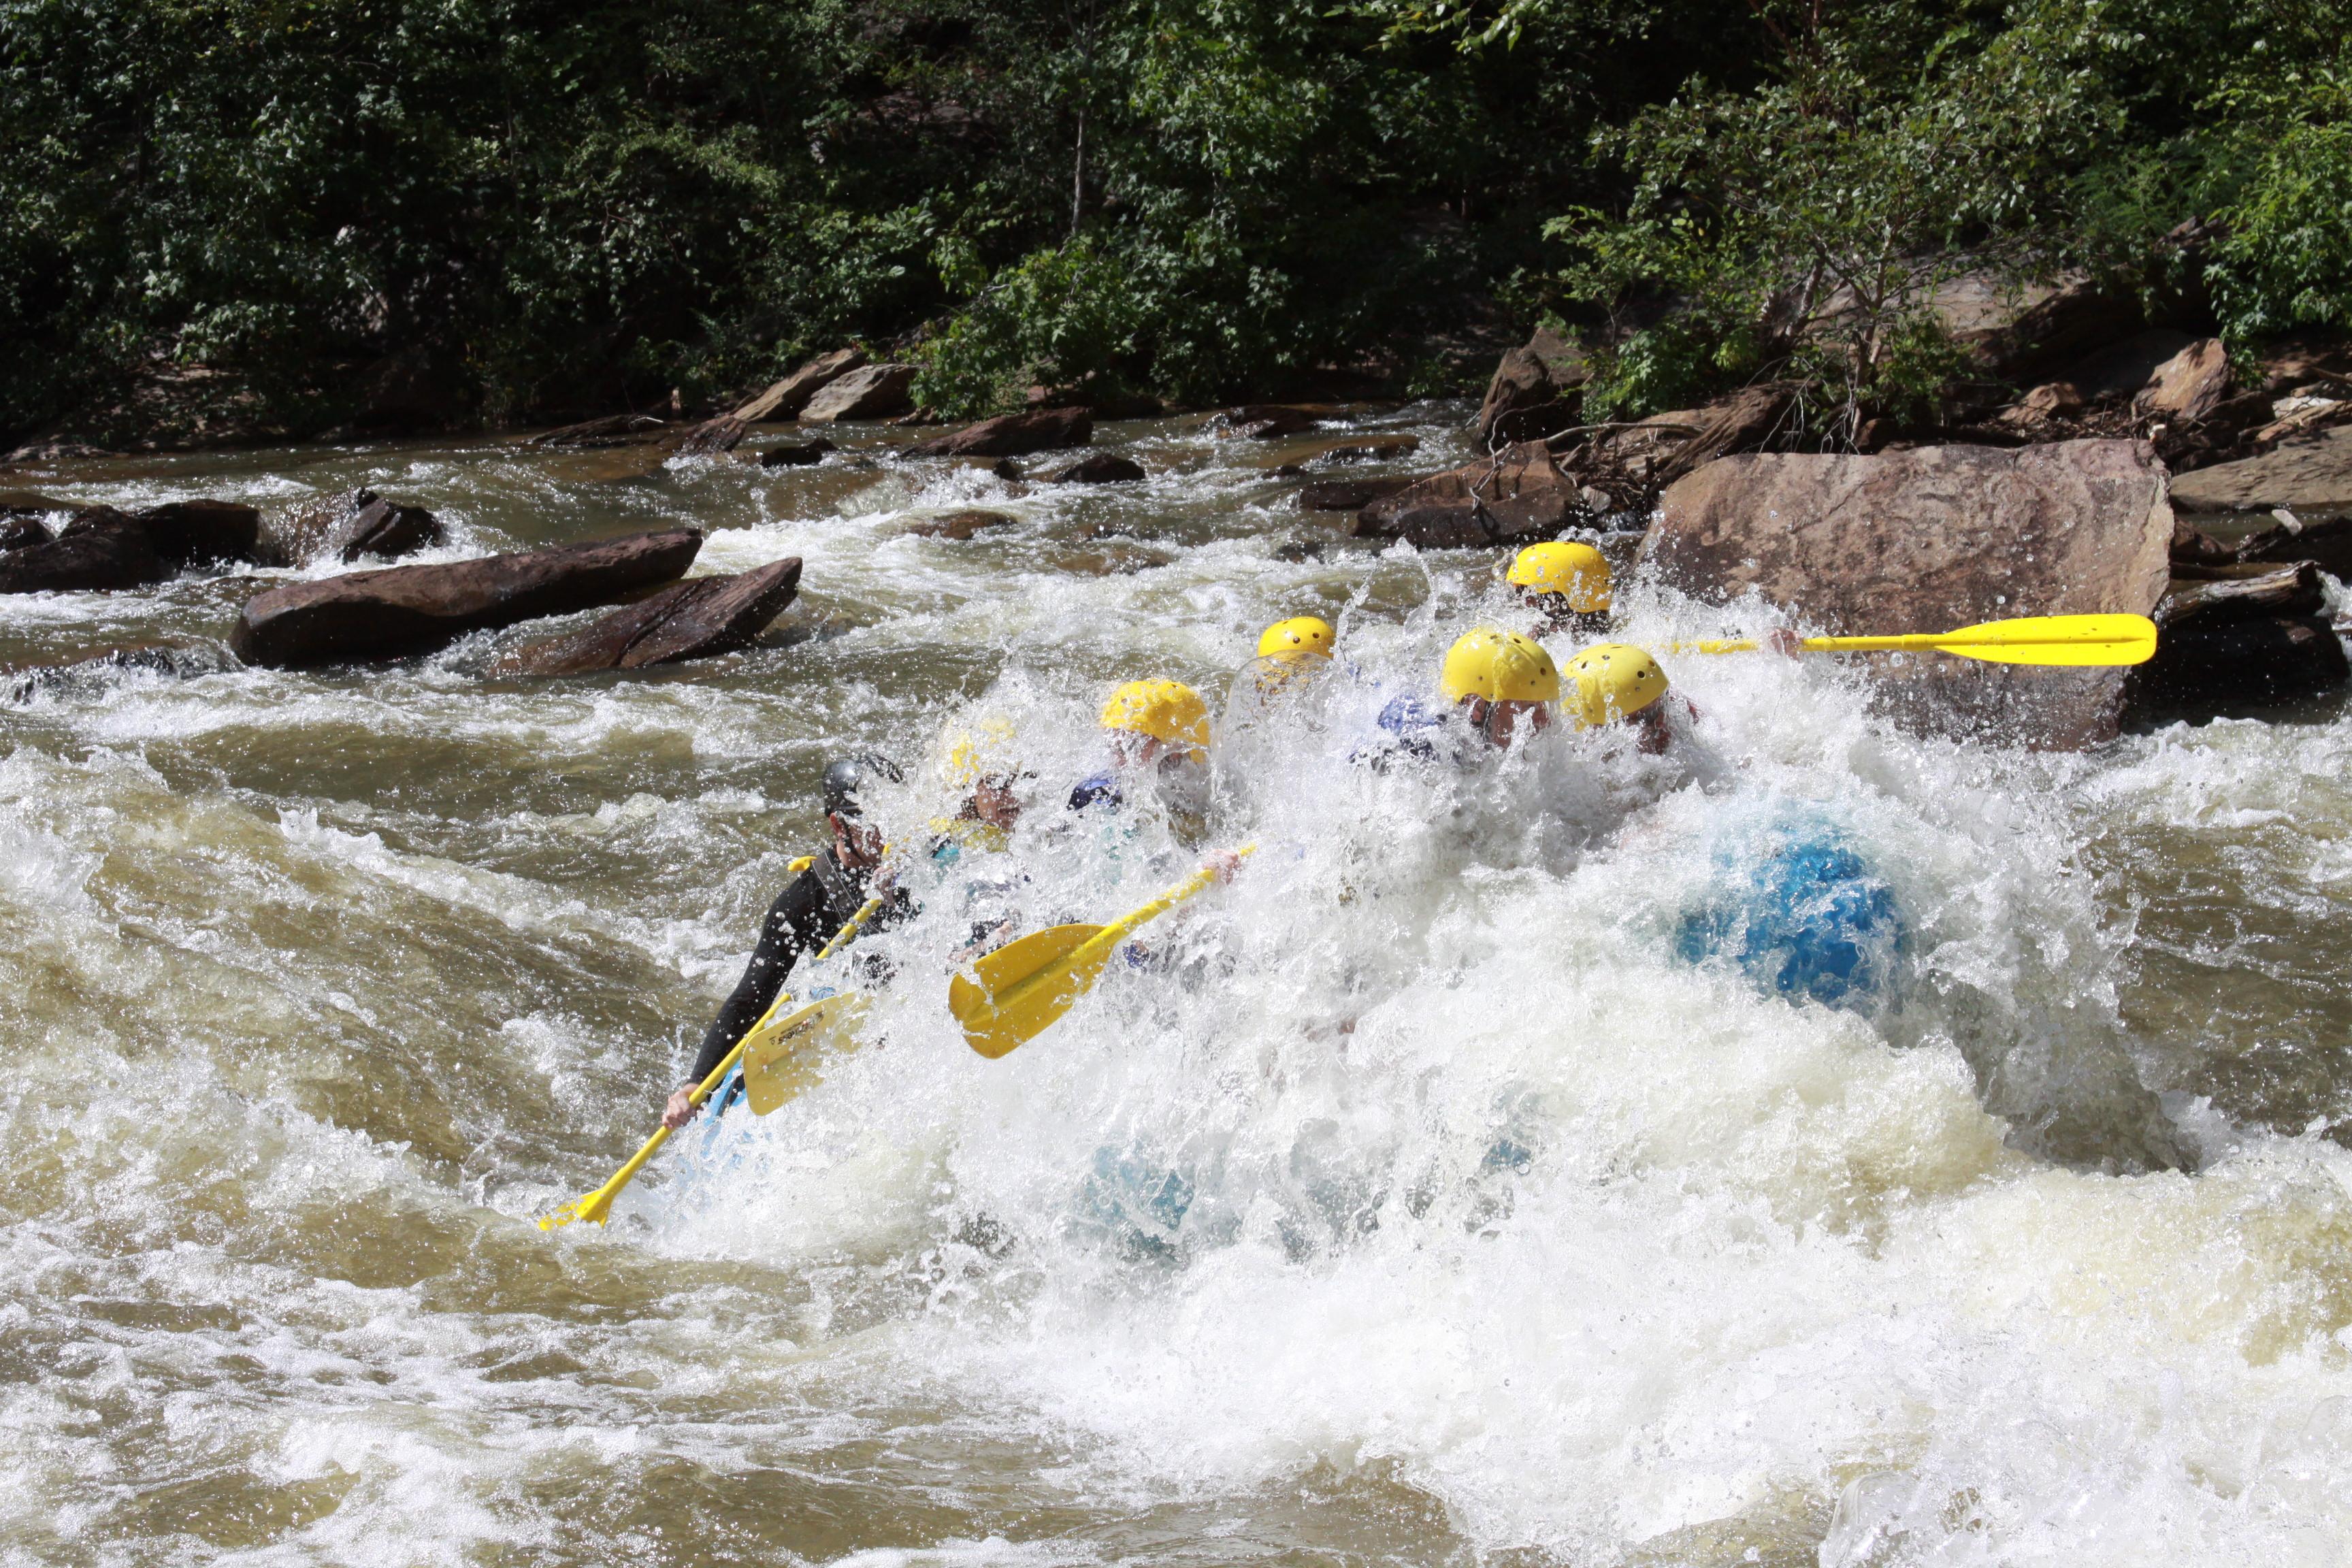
(1291,651)
(1158,735)
(831,887)
(1501,684)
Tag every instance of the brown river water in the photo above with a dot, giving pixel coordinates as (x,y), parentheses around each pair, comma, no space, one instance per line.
(1422,1201)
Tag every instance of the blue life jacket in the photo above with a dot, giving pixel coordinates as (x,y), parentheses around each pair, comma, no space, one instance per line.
(1813,921)
(1100,789)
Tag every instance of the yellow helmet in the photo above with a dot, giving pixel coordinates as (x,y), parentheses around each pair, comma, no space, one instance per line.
(1164,709)
(1300,634)
(1575,571)
(1613,680)
(982,750)
(1499,666)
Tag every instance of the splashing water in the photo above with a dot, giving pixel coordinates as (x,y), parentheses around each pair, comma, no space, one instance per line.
(1416,1197)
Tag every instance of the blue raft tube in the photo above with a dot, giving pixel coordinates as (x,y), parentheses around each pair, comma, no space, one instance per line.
(1807,918)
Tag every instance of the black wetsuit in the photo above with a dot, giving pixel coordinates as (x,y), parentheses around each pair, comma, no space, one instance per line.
(811,908)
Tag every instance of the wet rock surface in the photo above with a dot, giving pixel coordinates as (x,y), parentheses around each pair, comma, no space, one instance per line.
(1519,494)
(186,534)
(959,524)
(2235,644)
(1014,434)
(101,670)
(794,454)
(1100,469)
(698,619)
(1351,495)
(1930,540)
(402,610)
(18,530)
(347,526)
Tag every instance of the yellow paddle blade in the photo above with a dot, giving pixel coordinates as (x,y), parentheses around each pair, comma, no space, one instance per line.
(2105,640)
(594,1207)
(1022,986)
(780,1059)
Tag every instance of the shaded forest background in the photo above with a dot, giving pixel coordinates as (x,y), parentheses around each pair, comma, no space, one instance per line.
(375,213)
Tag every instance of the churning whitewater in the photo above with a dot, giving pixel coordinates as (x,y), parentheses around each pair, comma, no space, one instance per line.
(1433,1191)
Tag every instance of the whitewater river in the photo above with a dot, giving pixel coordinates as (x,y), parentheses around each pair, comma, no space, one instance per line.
(1417,1203)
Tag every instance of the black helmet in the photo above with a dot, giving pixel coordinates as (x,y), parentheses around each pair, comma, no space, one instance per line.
(844,776)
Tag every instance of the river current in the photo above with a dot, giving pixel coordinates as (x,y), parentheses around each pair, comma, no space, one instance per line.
(1418,1202)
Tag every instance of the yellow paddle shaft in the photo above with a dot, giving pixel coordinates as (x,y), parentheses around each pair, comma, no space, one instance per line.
(595,1205)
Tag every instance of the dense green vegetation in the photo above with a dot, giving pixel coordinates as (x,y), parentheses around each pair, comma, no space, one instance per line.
(529,209)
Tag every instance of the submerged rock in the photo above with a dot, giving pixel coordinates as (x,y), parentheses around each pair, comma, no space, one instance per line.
(1101,469)
(959,524)
(17,530)
(1519,494)
(1349,495)
(1931,539)
(1266,421)
(1012,435)
(100,670)
(795,454)
(700,619)
(348,526)
(403,610)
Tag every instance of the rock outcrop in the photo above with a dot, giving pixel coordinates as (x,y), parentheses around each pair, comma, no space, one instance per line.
(2249,641)
(1014,434)
(870,392)
(347,526)
(1929,540)
(794,454)
(101,549)
(1519,494)
(402,610)
(696,619)
(2304,474)
(1537,391)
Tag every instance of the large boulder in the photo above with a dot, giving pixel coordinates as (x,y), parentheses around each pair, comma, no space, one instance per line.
(187,532)
(871,392)
(2304,473)
(402,610)
(1929,540)
(1012,435)
(2235,643)
(347,526)
(1519,494)
(101,549)
(1537,391)
(699,619)
(786,398)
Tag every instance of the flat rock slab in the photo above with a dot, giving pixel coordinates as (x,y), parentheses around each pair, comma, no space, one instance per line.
(1931,539)
(403,610)
(1518,494)
(700,619)
(1014,434)
(2304,474)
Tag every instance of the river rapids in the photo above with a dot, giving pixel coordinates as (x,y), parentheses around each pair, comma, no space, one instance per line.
(1419,1200)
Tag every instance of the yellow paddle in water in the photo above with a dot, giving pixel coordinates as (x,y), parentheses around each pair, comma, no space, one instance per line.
(1014,992)
(2033,640)
(776,1039)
